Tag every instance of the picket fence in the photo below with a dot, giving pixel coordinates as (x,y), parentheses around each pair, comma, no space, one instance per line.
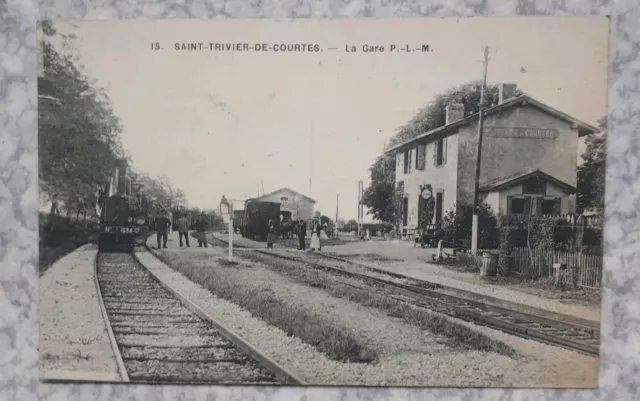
(540,264)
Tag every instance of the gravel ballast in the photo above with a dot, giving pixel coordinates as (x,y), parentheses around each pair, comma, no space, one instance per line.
(74,343)
(409,262)
(408,356)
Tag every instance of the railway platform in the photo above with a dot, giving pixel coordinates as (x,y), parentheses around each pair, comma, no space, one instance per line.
(402,258)
(74,340)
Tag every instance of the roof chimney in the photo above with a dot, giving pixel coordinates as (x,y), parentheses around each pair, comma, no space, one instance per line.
(121,174)
(506,92)
(454,112)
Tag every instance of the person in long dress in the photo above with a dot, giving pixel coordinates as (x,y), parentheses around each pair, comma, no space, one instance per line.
(271,236)
(315,236)
(201,226)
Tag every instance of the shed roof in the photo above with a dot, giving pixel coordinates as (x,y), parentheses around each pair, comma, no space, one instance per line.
(286,189)
(514,179)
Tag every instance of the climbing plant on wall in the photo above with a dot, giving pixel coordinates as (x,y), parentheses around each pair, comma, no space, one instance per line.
(426,207)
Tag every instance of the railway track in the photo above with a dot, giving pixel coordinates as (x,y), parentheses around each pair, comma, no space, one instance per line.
(577,337)
(160,340)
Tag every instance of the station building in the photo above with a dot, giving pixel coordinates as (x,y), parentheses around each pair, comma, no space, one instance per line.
(528,161)
(299,205)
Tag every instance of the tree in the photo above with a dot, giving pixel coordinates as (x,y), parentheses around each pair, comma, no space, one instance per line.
(433,115)
(78,137)
(379,196)
(591,174)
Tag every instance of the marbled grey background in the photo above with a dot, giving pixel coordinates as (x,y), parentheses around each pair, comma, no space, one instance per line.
(620,355)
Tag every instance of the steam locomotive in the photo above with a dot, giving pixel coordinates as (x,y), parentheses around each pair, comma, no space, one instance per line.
(125,218)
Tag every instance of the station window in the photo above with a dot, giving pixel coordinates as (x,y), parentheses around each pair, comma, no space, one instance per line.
(534,186)
(548,206)
(518,206)
(284,198)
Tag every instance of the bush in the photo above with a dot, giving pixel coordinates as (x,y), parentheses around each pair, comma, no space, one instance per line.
(56,231)
(457,227)
(59,236)
(524,231)
(592,237)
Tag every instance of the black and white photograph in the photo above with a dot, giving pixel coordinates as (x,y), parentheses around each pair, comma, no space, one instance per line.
(340,202)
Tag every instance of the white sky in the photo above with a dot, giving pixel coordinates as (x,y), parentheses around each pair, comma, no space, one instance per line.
(216,123)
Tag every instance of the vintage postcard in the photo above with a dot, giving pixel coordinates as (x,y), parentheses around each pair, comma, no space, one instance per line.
(401,202)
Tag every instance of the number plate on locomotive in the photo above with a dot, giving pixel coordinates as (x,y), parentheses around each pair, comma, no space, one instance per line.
(118,230)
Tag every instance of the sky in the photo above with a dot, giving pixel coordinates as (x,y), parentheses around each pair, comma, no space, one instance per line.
(221,122)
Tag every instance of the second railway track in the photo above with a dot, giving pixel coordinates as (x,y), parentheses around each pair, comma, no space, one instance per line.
(161,341)
(569,335)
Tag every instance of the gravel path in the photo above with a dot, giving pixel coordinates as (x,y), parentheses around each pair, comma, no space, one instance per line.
(74,343)
(409,357)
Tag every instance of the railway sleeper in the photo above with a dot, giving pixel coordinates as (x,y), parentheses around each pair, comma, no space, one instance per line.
(213,372)
(224,351)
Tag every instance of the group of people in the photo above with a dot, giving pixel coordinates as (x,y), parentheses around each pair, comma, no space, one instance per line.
(163,224)
(302,235)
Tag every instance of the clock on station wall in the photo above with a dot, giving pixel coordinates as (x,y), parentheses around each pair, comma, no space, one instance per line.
(426,193)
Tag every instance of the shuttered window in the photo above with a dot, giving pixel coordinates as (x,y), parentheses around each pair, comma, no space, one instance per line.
(440,152)
(421,156)
(407,161)
(399,196)
(444,151)
(439,212)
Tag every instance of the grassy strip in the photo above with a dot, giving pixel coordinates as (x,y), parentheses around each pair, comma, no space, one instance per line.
(334,341)
(436,324)
(367,257)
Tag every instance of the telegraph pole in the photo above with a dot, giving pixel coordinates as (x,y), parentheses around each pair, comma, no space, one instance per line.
(336,224)
(310,155)
(476,196)
(360,211)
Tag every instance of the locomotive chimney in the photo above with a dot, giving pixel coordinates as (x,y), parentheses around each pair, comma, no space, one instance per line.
(121,181)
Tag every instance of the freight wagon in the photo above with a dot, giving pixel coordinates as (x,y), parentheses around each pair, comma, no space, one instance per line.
(256,219)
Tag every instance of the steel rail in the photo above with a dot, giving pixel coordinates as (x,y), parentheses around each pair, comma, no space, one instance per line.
(459,307)
(230,335)
(122,370)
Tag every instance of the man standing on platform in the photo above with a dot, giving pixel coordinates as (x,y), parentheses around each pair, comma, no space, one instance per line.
(162,226)
(183,229)
(302,233)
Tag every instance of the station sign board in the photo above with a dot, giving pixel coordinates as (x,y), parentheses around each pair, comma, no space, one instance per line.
(521,132)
